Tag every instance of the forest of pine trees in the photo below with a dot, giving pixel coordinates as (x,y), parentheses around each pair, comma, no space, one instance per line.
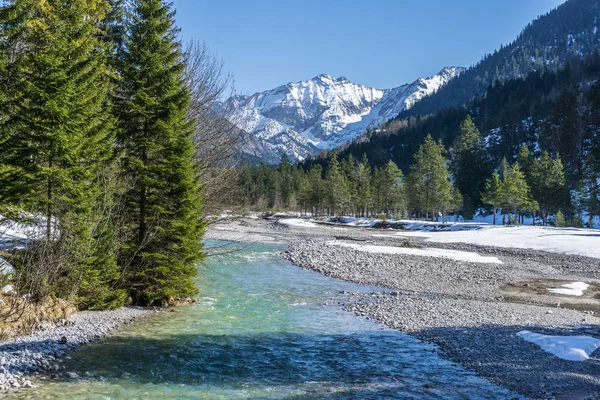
(97,147)
(441,182)
(542,119)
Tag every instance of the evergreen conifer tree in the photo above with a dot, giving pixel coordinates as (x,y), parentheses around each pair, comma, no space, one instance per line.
(469,165)
(156,137)
(57,137)
(337,187)
(515,192)
(316,189)
(492,194)
(391,188)
(429,180)
(362,179)
(547,181)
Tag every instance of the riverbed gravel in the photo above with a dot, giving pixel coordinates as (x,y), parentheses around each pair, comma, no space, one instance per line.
(41,352)
(457,305)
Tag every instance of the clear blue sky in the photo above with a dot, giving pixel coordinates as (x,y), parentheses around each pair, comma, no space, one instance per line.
(385,43)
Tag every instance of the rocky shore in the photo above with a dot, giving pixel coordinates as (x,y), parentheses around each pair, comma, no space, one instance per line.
(40,353)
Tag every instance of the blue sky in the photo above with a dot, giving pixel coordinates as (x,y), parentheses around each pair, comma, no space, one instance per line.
(380,43)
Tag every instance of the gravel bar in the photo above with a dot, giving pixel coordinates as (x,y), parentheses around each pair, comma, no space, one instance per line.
(40,352)
(457,306)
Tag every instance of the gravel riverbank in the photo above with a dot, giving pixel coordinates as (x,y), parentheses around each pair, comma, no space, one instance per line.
(457,306)
(472,310)
(40,353)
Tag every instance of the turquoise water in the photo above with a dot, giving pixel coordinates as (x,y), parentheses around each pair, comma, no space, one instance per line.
(263,330)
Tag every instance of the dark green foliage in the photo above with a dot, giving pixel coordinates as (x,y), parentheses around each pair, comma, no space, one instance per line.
(338,195)
(546,178)
(116,186)
(342,188)
(57,136)
(164,204)
(388,189)
(492,195)
(557,112)
(469,165)
(515,193)
(429,187)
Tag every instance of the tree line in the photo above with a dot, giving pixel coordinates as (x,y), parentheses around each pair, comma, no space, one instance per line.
(557,113)
(97,152)
(441,182)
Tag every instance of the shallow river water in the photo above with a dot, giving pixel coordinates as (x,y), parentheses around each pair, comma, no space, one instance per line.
(263,330)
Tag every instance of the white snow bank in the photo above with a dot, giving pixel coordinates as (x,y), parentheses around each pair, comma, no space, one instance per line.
(17,235)
(439,226)
(582,242)
(572,348)
(298,222)
(404,224)
(571,289)
(8,289)
(427,252)
(5,267)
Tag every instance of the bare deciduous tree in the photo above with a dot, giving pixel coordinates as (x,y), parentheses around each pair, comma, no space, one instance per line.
(217,139)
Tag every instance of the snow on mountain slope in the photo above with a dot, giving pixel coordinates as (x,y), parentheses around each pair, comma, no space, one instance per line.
(302,118)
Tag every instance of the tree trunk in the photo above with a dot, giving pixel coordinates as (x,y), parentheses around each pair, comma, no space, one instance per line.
(143,211)
(49,205)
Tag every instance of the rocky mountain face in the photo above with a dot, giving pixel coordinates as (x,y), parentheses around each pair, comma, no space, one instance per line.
(302,118)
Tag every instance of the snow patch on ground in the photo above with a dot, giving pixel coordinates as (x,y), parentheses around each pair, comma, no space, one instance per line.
(298,222)
(427,252)
(17,234)
(572,348)
(403,224)
(571,289)
(5,267)
(583,242)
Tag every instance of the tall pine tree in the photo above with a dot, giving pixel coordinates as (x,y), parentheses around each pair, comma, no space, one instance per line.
(429,186)
(57,137)
(470,165)
(164,202)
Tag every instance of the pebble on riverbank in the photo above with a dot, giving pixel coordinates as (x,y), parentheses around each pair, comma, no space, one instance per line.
(40,352)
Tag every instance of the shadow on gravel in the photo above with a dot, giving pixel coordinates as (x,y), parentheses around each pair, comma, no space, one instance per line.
(498,354)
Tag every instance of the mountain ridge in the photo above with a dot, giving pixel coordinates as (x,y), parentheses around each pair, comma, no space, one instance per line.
(302,118)
(547,43)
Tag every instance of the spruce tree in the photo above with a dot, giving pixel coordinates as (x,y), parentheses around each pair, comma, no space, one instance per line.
(587,193)
(492,195)
(316,189)
(429,184)
(362,180)
(337,187)
(547,182)
(469,165)
(164,202)
(285,181)
(57,138)
(515,192)
(391,188)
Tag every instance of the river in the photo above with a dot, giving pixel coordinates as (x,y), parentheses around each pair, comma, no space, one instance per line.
(263,329)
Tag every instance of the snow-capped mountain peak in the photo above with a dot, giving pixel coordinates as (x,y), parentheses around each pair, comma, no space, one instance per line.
(301,118)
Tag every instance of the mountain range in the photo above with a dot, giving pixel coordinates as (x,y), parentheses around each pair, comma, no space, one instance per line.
(303,118)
